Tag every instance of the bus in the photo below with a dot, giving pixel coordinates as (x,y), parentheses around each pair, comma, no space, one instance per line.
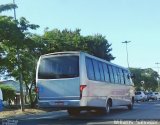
(76,81)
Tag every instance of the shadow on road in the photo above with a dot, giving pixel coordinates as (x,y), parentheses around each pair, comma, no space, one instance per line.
(88,117)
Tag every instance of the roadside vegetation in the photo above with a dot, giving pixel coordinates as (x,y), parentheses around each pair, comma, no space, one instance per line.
(8,93)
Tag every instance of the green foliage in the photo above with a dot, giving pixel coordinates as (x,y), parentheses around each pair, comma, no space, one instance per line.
(15,40)
(5,7)
(67,40)
(8,92)
(98,46)
(149,76)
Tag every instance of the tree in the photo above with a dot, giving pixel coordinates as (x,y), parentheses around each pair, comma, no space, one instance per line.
(15,48)
(98,46)
(67,40)
(6,7)
(149,76)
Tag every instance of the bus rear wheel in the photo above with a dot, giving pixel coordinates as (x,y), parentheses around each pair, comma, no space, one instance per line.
(130,106)
(108,107)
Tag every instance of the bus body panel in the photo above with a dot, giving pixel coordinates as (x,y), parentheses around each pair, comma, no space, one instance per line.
(83,78)
(98,93)
(59,89)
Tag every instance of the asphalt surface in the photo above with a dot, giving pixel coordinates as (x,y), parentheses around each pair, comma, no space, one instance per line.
(144,113)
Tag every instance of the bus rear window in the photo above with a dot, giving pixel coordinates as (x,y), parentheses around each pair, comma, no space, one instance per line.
(58,67)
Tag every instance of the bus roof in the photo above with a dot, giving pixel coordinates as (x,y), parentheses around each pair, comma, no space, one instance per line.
(59,53)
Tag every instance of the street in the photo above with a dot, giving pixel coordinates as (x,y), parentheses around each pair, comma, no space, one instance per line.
(143,113)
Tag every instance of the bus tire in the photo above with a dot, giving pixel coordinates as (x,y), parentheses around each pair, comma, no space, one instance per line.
(108,107)
(73,112)
(130,106)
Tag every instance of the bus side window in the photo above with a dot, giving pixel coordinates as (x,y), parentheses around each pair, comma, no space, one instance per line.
(127,78)
(115,74)
(111,73)
(96,70)
(90,70)
(122,76)
(101,71)
(119,76)
(106,72)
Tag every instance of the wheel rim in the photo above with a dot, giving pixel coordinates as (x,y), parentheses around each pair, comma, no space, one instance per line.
(131,103)
(108,108)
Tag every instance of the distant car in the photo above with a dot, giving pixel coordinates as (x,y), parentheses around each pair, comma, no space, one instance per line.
(152,96)
(157,94)
(140,96)
(147,96)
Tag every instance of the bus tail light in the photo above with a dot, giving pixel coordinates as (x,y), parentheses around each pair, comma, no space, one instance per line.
(81,90)
(36,89)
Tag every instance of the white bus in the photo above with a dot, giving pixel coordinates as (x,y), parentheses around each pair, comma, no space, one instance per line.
(78,81)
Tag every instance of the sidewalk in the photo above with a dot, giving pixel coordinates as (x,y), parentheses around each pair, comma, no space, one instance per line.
(14,113)
(31,114)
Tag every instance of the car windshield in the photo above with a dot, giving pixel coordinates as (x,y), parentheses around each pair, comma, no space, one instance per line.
(137,93)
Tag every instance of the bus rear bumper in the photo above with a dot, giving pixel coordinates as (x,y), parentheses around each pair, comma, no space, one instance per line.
(58,103)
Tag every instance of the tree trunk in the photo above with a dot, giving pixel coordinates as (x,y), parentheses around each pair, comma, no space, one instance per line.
(30,98)
(21,93)
(32,101)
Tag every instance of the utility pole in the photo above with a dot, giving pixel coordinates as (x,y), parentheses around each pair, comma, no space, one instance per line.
(20,70)
(20,80)
(14,10)
(126,42)
(157,63)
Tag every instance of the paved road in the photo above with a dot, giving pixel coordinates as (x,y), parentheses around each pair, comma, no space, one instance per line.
(147,113)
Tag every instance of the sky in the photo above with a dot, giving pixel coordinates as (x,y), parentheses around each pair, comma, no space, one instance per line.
(137,21)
